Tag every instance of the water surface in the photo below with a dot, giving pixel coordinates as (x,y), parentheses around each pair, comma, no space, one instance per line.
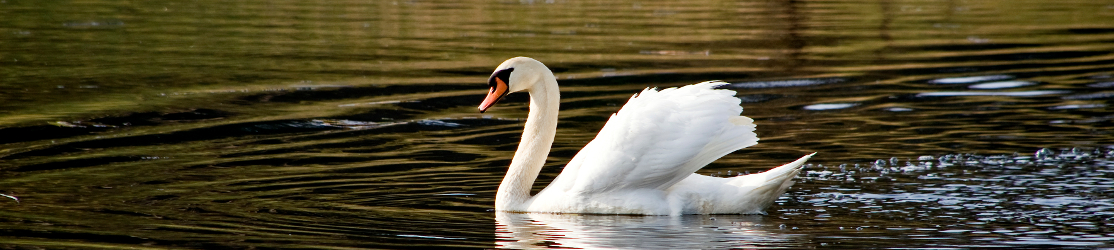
(201,124)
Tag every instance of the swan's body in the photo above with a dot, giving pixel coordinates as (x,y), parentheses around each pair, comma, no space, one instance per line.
(643,160)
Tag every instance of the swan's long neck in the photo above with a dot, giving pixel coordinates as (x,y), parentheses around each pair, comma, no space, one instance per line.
(537,139)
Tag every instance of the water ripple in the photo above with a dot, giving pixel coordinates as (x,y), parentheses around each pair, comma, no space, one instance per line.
(1002,85)
(979,93)
(966,194)
(829,106)
(783,83)
(970,79)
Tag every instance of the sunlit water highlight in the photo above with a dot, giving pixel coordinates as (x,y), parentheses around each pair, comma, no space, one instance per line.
(1046,198)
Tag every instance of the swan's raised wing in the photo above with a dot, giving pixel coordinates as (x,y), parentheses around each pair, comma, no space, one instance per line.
(658,138)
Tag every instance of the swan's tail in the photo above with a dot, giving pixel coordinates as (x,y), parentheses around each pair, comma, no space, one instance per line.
(767,186)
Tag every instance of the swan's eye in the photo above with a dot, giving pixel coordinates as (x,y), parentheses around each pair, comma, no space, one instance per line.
(501,76)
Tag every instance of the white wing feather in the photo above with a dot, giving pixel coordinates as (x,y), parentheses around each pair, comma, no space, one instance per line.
(659,138)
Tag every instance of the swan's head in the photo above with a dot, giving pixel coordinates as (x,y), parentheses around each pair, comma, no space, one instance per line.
(515,74)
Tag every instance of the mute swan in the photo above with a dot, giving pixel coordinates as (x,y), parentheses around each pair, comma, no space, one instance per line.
(643,160)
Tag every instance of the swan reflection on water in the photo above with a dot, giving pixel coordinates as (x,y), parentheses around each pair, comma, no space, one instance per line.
(539,230)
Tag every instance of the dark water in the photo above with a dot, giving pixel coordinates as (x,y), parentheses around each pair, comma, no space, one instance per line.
(205,124)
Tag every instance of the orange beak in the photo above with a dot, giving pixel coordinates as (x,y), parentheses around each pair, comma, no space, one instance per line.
(496,93)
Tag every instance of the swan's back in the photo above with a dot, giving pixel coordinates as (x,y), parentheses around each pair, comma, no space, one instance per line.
(657,139)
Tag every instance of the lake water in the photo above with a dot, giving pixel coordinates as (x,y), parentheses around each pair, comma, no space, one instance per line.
(353,124)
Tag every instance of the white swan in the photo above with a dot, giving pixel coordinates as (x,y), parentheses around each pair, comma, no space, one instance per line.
(643,160)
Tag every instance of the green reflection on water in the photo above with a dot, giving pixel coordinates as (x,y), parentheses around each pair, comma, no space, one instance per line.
(78,60)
